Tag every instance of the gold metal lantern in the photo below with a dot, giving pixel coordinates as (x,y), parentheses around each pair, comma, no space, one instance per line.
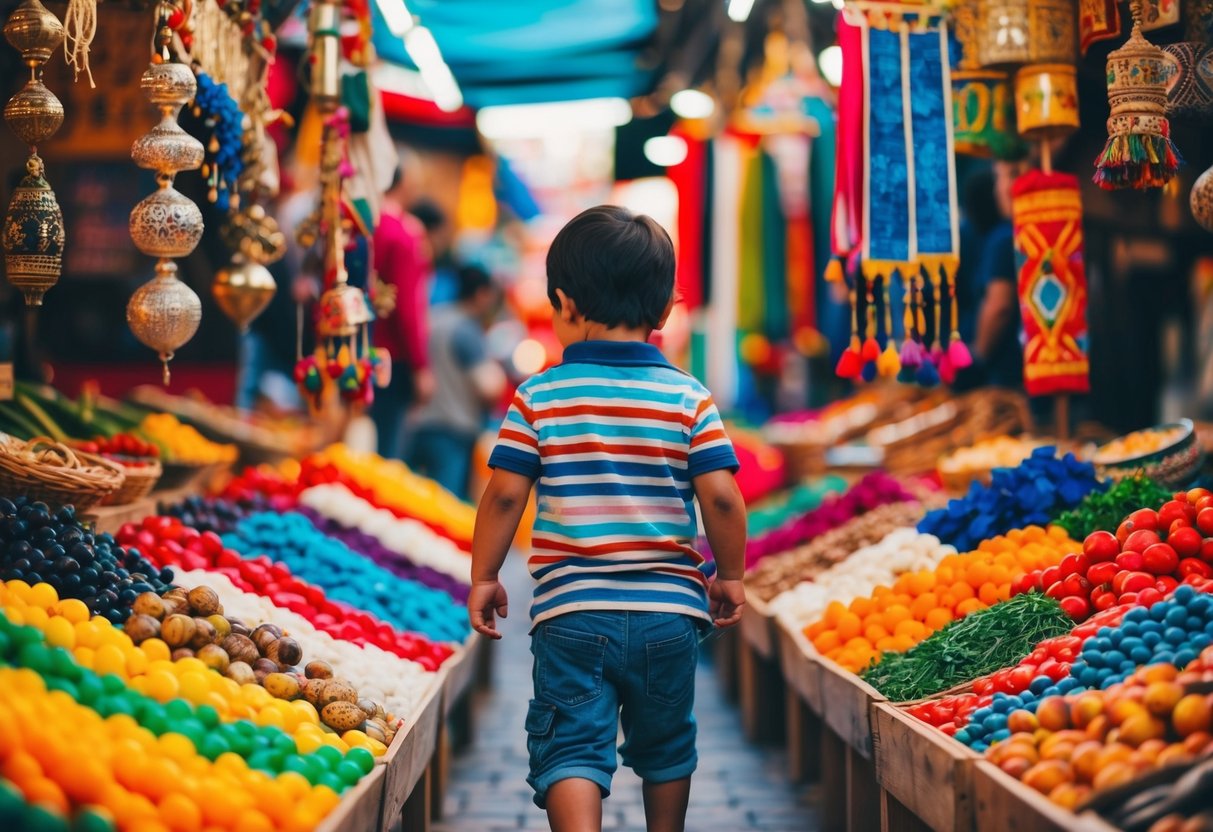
(33,234)
(243,290)
(164,313)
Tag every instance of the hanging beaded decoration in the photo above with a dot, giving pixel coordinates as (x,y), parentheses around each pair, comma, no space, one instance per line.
(164,313)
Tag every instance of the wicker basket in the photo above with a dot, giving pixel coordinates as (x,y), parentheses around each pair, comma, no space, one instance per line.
(46,470)
(139,482)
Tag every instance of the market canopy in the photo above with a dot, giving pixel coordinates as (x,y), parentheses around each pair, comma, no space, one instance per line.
(536,50)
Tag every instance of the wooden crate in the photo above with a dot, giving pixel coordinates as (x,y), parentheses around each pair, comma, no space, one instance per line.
(1003,803)
(360,807)
(801,670)
(460,672)
(725,645)
(923,769)
(847,706)
(111,518)
(408,760)
(759,629)
(759,680)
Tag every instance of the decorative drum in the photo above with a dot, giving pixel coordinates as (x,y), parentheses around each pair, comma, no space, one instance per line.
(1190,85)
(1003,33)
(1046,101)
(983,112)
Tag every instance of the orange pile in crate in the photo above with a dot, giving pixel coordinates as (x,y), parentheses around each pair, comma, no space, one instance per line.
(898,617)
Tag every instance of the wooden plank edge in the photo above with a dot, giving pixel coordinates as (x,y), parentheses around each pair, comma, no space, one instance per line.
(846,705)
(460,672)
(936,785)
(360,807)
(758,629)
(1004,803)
(409,756)
(801,670)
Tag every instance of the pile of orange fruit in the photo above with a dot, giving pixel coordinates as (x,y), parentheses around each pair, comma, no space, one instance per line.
(894,619)
(1103,738)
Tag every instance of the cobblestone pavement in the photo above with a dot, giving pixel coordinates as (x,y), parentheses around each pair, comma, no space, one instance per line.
(738,786)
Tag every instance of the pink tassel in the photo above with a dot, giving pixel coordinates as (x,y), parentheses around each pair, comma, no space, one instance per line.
(936,354)
(911,353)
(958,353)
(947,371)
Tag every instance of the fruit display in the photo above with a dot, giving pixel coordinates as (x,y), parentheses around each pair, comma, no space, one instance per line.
(1079,744)
(345,575)
(1032,493)
(900,551)
(389,484)
(871,491)
(977,644)
(403,537)
(775,511)
(975,462)
(1174,799)
(126,448)
(1141,443)
(1104,510)
(167,542)
(1148,556)
(1171,454)
(37,545)
(183,443)
(919,603)
(788,570)
(219,515)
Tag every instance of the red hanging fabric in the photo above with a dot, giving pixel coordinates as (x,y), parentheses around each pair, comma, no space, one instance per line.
(689,178)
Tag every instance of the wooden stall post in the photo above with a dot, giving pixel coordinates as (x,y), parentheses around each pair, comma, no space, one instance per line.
(760,681)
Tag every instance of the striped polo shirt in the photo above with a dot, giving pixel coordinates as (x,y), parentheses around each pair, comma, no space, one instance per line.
(613,435)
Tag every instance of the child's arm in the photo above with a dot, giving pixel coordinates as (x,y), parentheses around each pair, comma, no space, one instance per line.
(497,519)
(724,520)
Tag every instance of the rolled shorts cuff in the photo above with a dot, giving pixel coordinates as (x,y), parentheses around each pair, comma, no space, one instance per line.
(669,773)
(548,779)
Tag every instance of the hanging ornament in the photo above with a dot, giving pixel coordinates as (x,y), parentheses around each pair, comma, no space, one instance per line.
(33,225)
(1139,153)
(164,313)
(245,287)
(1046,101)
(1189,79)
(1201,200)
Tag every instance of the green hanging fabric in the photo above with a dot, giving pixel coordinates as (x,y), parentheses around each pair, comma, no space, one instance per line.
(774,254)
(750,278)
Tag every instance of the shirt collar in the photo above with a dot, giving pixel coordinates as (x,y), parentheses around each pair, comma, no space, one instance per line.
(615,353)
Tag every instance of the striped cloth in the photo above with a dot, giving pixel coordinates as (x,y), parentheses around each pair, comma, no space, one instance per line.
(614,435)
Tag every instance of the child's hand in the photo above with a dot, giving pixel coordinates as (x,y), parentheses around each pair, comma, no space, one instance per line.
(485,599)
(727,600)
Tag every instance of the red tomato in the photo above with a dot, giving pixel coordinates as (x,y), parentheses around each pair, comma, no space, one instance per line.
(1123,531)
(983,686)
(1102,573)
(1103,600)
(1194,494)
(1100,547)
(1118,581)
(1148,597)
(1038,655)
(1160,559)
(1204,521)
(1137,581)
(1130,561)
(1002,681)
(1077,586)
(1166,584)
(1171,512)
(1075,607)
(1072,564)
(1195,566)
(1129,598)
(1057,591)
(1050,576)
(1186,541)
(948,728)
(1206,551)
(1146,518)
(1141,540)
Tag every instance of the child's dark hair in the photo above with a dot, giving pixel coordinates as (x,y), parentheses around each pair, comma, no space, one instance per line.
(618,267)
(472,279)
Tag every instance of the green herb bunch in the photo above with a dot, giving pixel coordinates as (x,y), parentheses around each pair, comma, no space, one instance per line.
(1105,511)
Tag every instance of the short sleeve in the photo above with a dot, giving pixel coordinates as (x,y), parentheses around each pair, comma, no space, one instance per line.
(517,447)
(711,449)
(467,343)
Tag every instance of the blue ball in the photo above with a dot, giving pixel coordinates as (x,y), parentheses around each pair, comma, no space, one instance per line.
(1194,624)
(1131,628)
(1068,684)
(1000,735)
(963,736)
(996,722)
(1141,655)
(1200,605)
(980,747)
(1108,682)
(979,716)
(1184,593)
(1176,617)
(1175,635)
(1151,639)
(1001,706)
(1163,657)
(1113,658)
(1137,615)
(1090,677)
(1159,611)
(1184,657)
(1151,626)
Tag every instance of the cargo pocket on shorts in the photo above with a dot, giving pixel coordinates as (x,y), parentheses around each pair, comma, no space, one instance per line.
(671,669)
(570,665)
(540,722)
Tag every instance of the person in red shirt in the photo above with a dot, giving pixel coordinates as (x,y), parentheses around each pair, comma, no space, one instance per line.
(402,261)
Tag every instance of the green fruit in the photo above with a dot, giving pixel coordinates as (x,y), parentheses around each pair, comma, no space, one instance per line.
(332,781)
(364,759)
(207,715)
(328,755)
(349,772)
(212,746)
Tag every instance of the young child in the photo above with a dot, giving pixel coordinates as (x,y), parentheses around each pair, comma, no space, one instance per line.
(622,445)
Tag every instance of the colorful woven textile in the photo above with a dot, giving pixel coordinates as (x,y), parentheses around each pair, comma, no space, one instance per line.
(1047,212)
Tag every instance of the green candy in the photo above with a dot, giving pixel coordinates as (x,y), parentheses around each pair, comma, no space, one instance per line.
(349,772)
(362,758)
(332,781)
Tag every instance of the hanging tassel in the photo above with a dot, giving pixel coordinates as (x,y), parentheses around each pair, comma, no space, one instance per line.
(80,27)
(889,362)
(871,347)
(850,363)
(834,271)
(910,355)
(933,272)
(946,371)
(1138,161)
(927,375)
(958,353)
(869,372)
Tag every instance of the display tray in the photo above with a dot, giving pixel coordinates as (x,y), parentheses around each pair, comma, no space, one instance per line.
(847,706)
(409,756)
(759,629)
(1003,804)
(928,772)
(359,808)
(460,672)
(801,669)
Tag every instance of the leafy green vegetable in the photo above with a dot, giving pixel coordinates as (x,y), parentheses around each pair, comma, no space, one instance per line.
(1106,511)
(973,646)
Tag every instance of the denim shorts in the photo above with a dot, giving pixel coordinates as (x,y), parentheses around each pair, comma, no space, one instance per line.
(594,670)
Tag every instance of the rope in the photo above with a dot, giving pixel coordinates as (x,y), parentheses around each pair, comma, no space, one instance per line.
(80,27)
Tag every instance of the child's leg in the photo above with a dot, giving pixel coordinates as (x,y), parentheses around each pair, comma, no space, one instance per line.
(575,805)
(665,805)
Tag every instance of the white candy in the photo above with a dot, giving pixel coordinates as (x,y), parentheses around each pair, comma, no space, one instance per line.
(383,677)
(409,538)
(900,551)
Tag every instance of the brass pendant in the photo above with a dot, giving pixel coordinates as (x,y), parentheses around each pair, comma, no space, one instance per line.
(164,313)
(33,233)
(243,290)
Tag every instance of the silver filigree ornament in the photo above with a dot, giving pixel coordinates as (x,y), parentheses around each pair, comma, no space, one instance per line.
(164,313)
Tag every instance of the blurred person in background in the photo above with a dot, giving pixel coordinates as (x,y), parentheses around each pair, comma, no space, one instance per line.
(402,261)
(468,382)
(444,284)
